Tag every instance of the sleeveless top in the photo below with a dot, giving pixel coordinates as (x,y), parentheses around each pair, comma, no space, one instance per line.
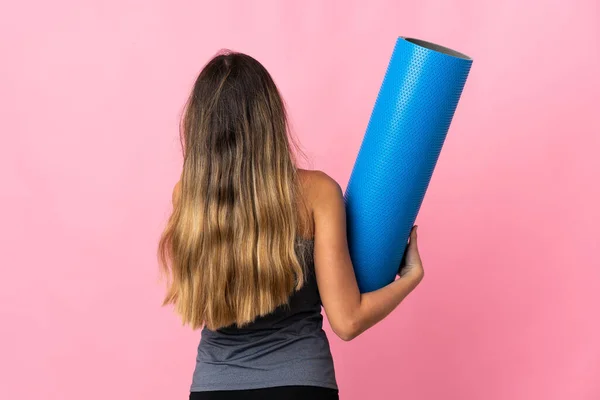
(286,347)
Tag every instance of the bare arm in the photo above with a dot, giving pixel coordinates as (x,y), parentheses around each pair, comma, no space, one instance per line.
(349,312)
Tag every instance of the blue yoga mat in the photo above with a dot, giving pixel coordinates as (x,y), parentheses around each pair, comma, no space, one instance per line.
(399,151)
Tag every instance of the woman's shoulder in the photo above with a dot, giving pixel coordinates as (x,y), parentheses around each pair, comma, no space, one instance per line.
(317,180)
(319,191)
(319,186)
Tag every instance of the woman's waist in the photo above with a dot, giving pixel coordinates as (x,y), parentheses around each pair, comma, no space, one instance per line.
(299,319)
(300,363)
(301,337)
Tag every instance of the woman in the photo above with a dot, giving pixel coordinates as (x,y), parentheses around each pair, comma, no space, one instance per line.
(255,246)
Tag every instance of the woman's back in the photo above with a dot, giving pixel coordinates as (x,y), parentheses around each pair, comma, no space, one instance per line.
(285,347)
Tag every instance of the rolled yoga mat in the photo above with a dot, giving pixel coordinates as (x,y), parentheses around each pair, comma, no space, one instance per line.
(400,148)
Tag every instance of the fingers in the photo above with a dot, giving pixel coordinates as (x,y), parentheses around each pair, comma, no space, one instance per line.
(413,239)
(413,234)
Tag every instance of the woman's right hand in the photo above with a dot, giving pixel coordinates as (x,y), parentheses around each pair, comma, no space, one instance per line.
(411,265)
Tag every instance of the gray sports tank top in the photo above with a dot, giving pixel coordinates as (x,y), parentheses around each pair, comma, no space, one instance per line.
(286,347)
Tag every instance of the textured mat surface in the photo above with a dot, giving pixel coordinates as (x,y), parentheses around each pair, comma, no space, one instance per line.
(399,151)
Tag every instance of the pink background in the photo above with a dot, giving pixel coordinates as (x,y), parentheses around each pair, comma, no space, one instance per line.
(91,93)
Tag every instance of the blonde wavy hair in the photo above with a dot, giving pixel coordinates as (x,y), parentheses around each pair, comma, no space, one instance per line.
(228,250)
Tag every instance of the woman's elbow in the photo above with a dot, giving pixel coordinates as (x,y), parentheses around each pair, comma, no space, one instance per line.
(347,331)
(347,336)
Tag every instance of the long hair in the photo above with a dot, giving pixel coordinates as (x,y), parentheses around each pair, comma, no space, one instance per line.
(228,249)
